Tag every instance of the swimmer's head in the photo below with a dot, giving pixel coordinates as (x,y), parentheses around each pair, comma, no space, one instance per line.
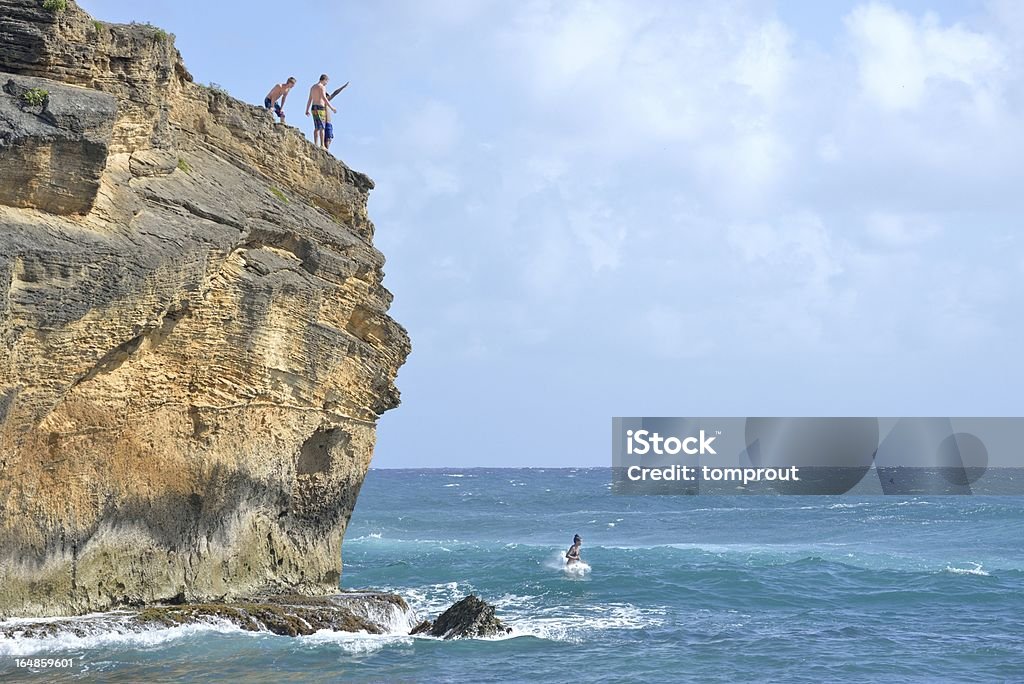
(577,539)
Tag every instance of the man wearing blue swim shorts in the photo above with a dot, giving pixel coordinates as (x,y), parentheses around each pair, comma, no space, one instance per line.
(281,91)
(319,104)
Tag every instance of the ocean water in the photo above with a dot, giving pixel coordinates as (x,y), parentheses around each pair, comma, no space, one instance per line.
(702,589)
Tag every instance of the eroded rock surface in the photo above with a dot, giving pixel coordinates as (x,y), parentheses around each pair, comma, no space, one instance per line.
(468,618)
(372,613)
(194,357)
(54,141)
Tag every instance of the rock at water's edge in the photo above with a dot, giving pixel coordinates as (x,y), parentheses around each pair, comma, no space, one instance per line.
(367,612)
(468,618)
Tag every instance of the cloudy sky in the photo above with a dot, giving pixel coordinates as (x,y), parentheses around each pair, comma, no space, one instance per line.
(593,209)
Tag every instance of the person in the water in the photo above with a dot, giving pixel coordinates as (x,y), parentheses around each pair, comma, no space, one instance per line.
(573,554)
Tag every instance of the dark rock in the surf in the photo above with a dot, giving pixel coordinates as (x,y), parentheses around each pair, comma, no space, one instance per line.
(470,617)
(422,628)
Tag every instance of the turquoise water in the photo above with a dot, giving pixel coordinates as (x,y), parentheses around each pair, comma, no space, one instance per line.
(745,588)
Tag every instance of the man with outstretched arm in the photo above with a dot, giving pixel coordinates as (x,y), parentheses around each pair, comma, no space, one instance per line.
(328,126)
(318,103)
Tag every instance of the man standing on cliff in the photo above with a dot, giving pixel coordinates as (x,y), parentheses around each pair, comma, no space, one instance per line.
(280,90)
(319,104)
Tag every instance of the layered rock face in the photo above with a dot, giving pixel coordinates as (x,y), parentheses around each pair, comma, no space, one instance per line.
(194,339)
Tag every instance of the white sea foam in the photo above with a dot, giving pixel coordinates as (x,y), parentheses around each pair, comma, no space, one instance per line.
(431,600)
(558,561)
(391,618)
(355,643)
(116,630)
(579,625)
(976,570)
(578,569)
(417,542)
(110,635)
(513,602)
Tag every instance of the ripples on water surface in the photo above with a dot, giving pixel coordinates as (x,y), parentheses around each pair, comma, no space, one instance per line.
(802,589)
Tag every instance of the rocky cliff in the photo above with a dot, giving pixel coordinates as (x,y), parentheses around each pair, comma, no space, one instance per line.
(194,339)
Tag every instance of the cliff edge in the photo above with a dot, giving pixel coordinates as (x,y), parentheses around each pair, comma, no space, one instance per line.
(194,339)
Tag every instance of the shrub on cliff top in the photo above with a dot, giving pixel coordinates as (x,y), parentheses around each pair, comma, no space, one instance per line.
(34,97)
(158,33)
(55,6)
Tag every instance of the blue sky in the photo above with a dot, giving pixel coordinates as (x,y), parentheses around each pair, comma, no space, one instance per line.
(593,209)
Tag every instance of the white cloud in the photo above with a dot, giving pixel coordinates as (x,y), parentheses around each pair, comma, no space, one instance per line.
(671,334)
(901,57)
(798,249)
(570,45)
(898,230)
(550,270)
(598,152)
(439,180)
(764,62)
(432,129)
(700,88)
(828,149)
(448,267)
(546,170)
(802,211)
(600,234)
(746,168)
(446,14)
